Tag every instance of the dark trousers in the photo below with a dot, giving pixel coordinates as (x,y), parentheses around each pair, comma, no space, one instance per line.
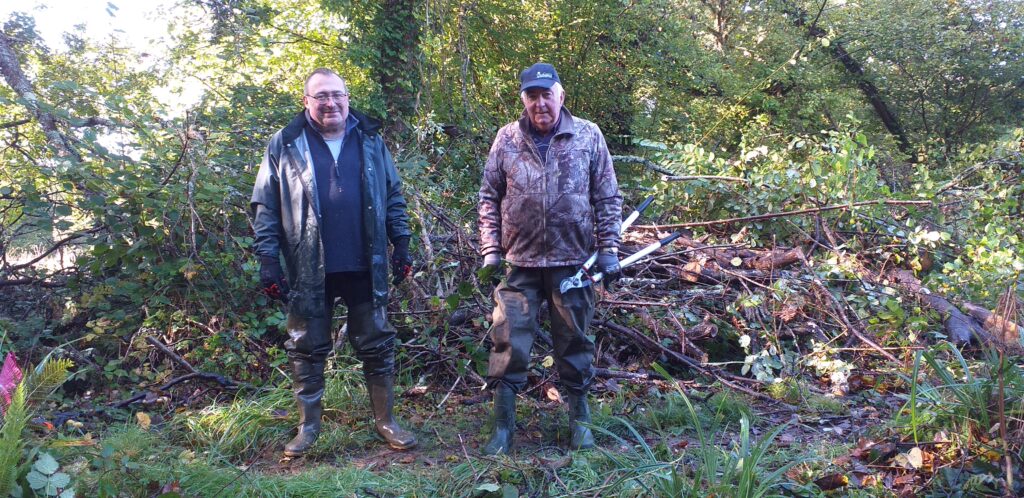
(517,301)
(371,336)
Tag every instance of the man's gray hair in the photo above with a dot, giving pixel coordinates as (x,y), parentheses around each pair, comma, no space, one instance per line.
(555,89)
(321,71)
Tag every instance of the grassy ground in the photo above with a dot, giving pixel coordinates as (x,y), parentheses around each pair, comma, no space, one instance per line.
(654,441)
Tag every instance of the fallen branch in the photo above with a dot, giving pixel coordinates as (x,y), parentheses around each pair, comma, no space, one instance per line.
(1007,331)
(193,374)
(835,207)
(177,380)
(841,313)
(725,378)
(170,354)
(671,175)
(959,327)
(606,373)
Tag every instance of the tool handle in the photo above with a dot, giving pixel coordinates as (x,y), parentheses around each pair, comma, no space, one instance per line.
(626,223)
(633,258)
(643,205)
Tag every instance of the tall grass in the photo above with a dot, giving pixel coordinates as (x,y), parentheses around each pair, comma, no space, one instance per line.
(954,396)
(707,470)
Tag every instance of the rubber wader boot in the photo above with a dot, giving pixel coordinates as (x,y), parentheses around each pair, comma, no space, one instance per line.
(382,400)
(308,379)
(504,421)
(579,412)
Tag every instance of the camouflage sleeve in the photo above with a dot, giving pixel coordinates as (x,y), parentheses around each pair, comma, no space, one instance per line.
(604,194)
(492,191)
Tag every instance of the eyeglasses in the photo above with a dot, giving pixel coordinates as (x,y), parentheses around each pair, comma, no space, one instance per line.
(324,97)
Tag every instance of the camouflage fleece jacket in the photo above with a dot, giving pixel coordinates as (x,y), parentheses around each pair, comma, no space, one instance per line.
(551,213)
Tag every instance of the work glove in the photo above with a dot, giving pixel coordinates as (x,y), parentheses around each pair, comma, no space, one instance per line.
(401,261)
(491,270)
(272,281)
(608,265)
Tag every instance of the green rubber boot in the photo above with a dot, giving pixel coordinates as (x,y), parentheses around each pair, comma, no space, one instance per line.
(579,414)
(382,401)
(308,380)
(504,421)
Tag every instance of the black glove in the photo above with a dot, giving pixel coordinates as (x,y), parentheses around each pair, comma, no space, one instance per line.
(272,281)
(401,261)
(608,265)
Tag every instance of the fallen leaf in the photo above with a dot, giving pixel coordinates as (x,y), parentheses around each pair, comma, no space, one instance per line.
(552,393)
(833,481)
(880,452)
(415,391)
(556,463)
(144,420)
(547,362)
(87,440)
(915,457)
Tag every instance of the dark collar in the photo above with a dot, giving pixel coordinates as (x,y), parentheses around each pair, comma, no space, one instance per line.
(565,124)
(350,123)
(367,125)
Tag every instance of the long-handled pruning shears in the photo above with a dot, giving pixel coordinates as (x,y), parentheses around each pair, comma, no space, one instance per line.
(577,283)
(582,278)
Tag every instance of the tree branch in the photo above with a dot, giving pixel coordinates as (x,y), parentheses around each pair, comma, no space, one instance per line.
(835,207)
(670,175)
(15,77)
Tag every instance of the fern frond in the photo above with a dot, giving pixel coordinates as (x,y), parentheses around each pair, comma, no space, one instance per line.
(47,377)
(14,421)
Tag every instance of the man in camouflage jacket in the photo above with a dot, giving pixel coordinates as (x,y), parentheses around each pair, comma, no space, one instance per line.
(548,200)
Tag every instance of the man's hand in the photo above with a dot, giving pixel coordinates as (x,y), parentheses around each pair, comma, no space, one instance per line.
(272,281)
(401,261)
(491,270)
(608,265)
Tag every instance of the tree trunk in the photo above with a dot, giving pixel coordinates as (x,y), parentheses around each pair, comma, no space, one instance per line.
(15,77)
(397,70)
(853,67)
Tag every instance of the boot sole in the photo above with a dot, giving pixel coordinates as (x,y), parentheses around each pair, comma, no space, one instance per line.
(403,447)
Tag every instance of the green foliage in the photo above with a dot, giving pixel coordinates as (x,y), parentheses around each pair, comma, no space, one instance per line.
(32,390)
(11,443)
(957,399)
(950,69)
(708,469)
(45,480)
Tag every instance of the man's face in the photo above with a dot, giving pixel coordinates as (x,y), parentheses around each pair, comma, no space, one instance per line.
(331,113)
(543,106)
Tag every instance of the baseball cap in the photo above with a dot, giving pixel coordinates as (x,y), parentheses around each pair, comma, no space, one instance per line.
(541,74)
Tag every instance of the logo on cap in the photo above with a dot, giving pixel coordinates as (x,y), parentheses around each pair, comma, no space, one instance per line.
(543,75)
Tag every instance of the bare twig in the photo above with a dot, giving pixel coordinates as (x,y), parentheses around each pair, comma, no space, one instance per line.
(834,207)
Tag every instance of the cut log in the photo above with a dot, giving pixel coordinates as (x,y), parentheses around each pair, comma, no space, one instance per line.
(959,327)
(1003,330)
